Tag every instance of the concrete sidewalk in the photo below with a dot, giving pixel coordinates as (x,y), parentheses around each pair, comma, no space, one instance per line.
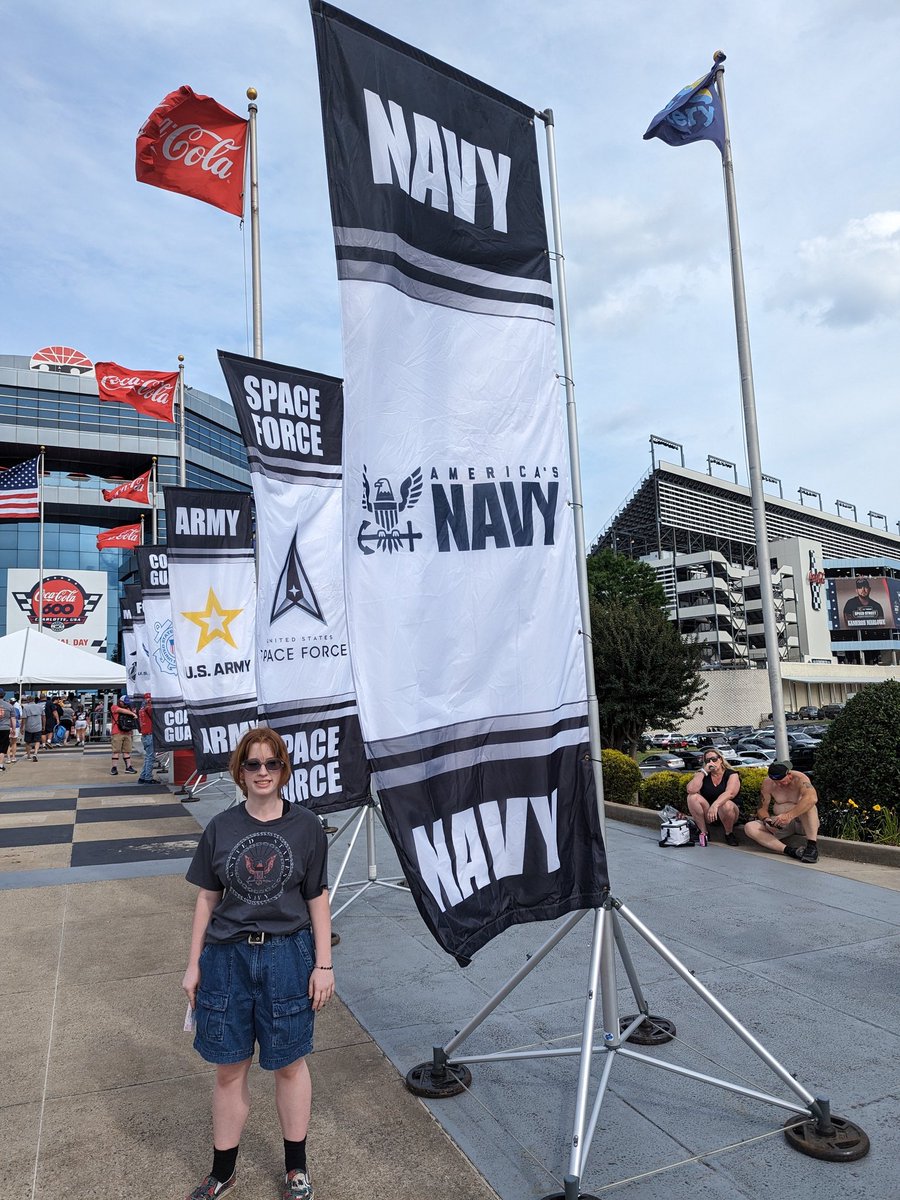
(104,1095)
(101,1093)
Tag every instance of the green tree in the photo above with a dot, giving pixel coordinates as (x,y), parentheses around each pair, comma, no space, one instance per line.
(616,577)
(646,673)
(859,758)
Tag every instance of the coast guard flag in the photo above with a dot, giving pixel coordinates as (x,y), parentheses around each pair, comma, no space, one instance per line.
(213,585)
(291,422)
(694,114)
(460,570)
(170,722)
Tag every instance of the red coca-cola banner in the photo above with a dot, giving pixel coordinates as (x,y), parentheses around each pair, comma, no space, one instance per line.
(137,491)
(191,144)
(150,392)
(123,537)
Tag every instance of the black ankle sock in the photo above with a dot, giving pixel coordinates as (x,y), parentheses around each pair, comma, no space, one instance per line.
(224,1162)
(294,1156)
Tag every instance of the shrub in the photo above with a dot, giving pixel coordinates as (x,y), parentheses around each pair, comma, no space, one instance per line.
(621,777)
(751,781)
(859,760)
(665,787)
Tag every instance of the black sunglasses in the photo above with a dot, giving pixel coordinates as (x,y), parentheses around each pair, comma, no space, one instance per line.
(712,758)
(253,765)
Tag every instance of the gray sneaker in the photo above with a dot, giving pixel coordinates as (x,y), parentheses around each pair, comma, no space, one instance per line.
(297,1186)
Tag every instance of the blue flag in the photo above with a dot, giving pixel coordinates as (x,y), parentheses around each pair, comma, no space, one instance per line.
(694,114)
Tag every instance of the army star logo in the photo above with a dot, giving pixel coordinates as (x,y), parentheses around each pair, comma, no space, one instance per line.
(214,622)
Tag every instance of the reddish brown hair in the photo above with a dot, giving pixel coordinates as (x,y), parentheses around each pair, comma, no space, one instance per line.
(268,737)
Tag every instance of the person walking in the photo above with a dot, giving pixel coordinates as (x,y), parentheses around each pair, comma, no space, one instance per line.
(33,720)
(145,724)
(124,723)
(15,729)
(7,724)
(81,726)
(259,966)
(52,716)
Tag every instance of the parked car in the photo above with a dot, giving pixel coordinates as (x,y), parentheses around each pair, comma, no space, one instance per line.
(831,711)
(809,712)
(755,758)
(661,762)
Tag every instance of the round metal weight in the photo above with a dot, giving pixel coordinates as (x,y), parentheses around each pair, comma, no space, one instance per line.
(652,1031)
(845,1143)
(421,1081)
(562,1196)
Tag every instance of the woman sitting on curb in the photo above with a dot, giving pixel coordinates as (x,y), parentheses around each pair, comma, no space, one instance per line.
(712,795)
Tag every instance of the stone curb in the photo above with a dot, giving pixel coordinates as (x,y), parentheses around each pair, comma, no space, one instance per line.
(864,852)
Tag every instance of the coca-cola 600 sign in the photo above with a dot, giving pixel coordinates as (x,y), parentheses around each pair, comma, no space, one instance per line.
(73,604)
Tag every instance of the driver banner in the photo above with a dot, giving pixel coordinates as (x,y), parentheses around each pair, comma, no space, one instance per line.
(462,598)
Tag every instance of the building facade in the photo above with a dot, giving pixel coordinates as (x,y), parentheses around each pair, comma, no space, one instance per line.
(836,586)
(49,400)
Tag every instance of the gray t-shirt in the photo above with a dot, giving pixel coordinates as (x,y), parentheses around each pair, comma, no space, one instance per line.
(6,712)
(33,717)
(266,871)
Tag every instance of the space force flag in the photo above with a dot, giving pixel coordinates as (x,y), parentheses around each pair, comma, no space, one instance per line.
(460,570)
(291,422)
(171,730)
(213,583)
(193,145)
(693,115)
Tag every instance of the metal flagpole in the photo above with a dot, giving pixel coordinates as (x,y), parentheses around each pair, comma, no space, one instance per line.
(182,469)
(41,459)
(751,432)
(142,529)
(813,1130)
(255,272)
(155,481)
(575,471)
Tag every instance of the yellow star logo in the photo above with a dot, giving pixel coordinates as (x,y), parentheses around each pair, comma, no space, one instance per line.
(214,621)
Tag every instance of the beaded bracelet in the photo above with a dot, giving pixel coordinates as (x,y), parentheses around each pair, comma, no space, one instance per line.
(318,968)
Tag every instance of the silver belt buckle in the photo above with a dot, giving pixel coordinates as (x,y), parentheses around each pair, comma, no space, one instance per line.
(256,939)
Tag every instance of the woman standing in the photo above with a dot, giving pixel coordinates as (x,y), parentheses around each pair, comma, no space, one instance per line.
(712,796)
(260,959)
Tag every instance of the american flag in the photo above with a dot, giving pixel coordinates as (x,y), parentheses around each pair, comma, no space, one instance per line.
(19,491)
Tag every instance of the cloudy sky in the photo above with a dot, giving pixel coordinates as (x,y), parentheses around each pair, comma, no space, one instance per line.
(119,270)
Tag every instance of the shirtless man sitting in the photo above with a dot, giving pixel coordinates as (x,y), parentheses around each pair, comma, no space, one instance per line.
(793,800)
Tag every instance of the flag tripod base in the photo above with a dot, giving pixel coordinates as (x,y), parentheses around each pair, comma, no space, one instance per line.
(364,817)
(811,1129)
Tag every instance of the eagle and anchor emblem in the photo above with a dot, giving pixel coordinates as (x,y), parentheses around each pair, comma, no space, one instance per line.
(386,508)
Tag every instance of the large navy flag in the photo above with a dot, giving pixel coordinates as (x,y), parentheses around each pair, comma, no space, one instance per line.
(693,115)
(460,572)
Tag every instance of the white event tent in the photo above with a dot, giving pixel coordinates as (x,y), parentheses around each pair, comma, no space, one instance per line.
(32,659)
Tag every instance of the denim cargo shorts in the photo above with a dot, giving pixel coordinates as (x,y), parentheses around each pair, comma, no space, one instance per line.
(252,994)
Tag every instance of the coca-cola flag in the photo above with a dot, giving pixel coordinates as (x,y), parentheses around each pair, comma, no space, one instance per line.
(291,422)
(150,392)
(191,144)
(459,546)
(137,491)
(123,537)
